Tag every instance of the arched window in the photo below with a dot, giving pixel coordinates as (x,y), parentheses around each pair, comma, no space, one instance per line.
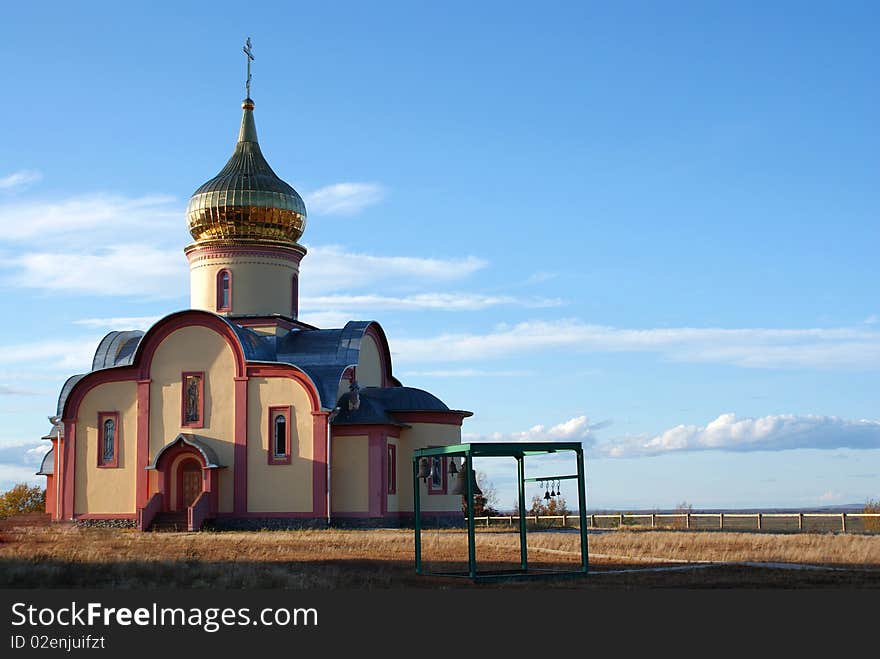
(108,439)
(280,435)
(224,290)
(280,421)
(109,442)
(294,297)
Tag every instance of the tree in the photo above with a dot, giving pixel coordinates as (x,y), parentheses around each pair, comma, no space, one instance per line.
(22,498)
(485,503)
(552,506)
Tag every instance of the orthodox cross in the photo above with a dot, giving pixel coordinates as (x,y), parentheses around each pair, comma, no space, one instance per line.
(250,57)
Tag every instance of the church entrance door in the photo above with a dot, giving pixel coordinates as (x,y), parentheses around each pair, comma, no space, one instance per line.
(189,483)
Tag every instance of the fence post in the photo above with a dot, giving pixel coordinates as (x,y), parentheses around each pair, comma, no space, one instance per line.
(760,521)
(593,520)
(653,520)
(487,520)
(721,521)
(687,521)
(800,521)
(843,521)
(563,520)
(620,526)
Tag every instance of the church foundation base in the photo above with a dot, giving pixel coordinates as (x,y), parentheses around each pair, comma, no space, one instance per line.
(264,523)
(107,523)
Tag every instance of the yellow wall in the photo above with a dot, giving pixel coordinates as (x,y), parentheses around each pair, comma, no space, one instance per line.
(106,490)
(369,370)
(423,435)
(403,473)
(196,349)
(349,474)
(279,488)
(260,284)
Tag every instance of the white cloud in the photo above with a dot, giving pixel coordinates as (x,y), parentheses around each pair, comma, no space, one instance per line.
(755,348)
(422,301)
(343,198)
(76,218)
(119,323)
(121,270)
(466,373)
(331,268)
(74,355)
(769,433)
(6,390)
(20,179)
(577,429)
(325,319)
(11,474)
(780,432)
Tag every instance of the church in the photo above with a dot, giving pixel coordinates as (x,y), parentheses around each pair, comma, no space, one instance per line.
(234,413)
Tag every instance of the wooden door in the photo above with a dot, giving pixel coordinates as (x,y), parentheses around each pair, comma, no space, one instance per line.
(192,485)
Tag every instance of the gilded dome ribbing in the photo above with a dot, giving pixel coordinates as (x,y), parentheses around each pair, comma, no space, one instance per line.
(246,202)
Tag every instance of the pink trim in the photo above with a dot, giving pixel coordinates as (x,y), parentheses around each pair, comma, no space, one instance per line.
(375,331)
(377,458)
(146,514)
(366,429)
(69,469)
(319,429)
(181,467)
(309,514)
(443,478)
(139,371)
(117,444)
(168,325)
(195,253)
(392,469)
(168,462)
(389,514)
(200,423)
(272,458)
(239,476)
(451,418)
(106,516)
(320,491)
(219,290)
(286,371)
(142,477)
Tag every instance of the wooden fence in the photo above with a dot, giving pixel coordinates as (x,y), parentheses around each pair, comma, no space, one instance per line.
(752,521)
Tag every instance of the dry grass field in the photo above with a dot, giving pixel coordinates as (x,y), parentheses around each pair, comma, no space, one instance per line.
(79,557)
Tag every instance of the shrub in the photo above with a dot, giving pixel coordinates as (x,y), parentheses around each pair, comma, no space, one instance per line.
(22,498)
(872,523)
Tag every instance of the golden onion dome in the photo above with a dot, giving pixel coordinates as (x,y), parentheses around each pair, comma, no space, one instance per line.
(246,202)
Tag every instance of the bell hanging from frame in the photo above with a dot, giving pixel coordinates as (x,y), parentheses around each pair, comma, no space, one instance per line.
(460,486)
(424,469)
(453,468)
(546,494)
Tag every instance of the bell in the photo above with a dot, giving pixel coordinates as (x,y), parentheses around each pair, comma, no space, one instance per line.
(453,468)
(460,486)
(424,469)
(546,495)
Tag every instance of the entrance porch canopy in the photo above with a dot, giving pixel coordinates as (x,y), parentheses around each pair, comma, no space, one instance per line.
(519,451)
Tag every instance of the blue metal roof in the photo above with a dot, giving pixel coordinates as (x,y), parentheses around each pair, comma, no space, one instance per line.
(47,466)
(378,405)
(322,354)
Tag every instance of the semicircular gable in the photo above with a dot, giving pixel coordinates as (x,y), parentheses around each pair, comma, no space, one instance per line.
(77,387)
(143,356)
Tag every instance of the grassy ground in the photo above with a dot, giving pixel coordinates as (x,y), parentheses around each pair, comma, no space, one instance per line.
(78,557)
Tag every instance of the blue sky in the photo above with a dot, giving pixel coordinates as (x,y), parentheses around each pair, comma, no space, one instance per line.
(649,228)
